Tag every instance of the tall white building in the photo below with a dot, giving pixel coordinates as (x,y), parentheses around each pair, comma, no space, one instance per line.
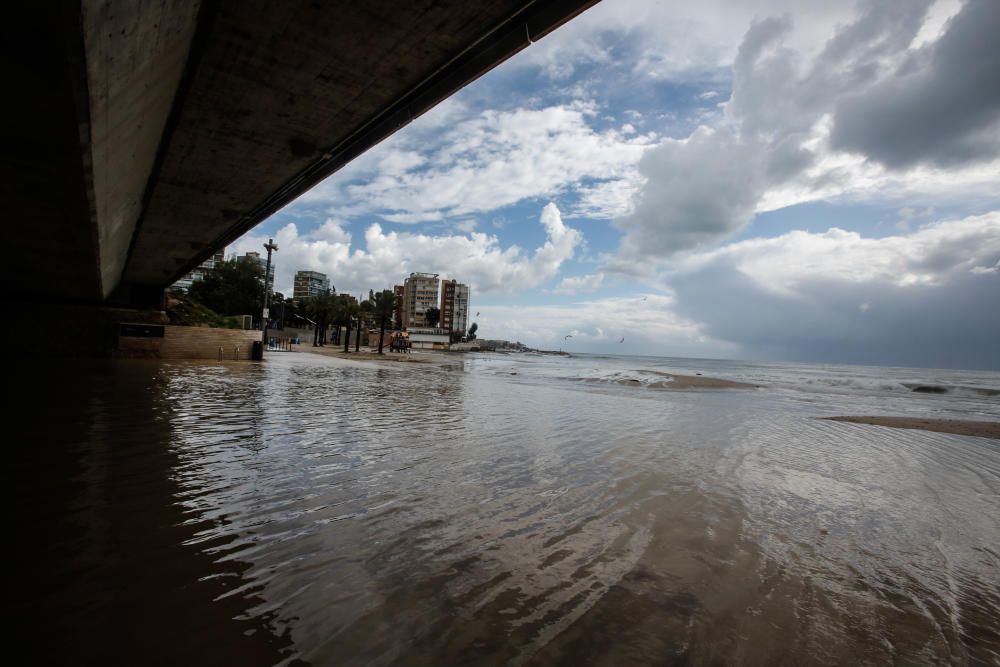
(420,292)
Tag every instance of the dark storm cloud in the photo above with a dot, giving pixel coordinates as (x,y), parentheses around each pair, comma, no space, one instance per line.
(941,106)
(927,299)
(950,326)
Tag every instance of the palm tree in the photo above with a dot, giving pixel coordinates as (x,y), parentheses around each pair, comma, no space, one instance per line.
(319,308)
(348,310)
(432,316)
(312,308)
(384,305)
(333,316)
(365,312)
(329,314)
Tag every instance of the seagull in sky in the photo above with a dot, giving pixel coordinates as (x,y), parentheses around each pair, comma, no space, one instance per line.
(477,313)
(622,340)
(569,336)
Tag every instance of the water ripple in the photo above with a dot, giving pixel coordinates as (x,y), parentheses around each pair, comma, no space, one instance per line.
(353,514)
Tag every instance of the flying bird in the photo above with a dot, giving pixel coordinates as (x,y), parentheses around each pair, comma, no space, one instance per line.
(569,336)
(477,313)
(622,340)
(644,298)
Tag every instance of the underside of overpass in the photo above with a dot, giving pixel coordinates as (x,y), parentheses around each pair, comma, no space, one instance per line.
(141,137)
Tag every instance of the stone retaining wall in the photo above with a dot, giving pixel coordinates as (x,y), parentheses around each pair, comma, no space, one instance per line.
(179,342)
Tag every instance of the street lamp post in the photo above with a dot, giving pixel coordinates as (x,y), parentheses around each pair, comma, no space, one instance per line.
(357,339)
(270,247)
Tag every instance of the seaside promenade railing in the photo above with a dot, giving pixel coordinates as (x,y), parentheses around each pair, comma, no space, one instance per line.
(280,344)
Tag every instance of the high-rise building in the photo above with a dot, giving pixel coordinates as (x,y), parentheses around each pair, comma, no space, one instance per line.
(420,292)
(308,284)
(256,258)
(454,306)
(199,272)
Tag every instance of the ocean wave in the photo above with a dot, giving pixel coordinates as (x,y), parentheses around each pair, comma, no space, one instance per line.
(637,378)
(922,388)
(869,386)
(662,380)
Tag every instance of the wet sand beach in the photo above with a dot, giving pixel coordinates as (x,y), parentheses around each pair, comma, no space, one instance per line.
(700,382)
(365,354)
(664,380)
(329,509)
(981,429)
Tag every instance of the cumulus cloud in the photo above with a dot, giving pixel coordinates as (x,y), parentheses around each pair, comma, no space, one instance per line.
(677,41)
(917,299)
(580,284)
(794,117)
(649,325)
(791,131)
(387,257)
(483,162)
(925,298)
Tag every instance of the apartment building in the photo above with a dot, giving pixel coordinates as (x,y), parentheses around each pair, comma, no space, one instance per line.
(199,272)
(420,292)
(261,261)
(454,306)
(308,284)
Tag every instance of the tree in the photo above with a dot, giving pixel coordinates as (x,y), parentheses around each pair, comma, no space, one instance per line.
(320,308)
(472,331)
(285,307)
(348,311)
(384,304)
(366,312)
(328,315)
(231,288)
(311,308)
(432,316)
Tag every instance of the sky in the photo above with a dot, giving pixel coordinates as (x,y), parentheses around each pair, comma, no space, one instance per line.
(766,180)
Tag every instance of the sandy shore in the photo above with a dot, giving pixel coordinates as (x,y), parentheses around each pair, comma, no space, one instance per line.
(676,381)
(956,426)
(670,380)
(701,382)
(419,357)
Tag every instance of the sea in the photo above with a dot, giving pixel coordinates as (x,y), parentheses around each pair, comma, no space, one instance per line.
(501,509)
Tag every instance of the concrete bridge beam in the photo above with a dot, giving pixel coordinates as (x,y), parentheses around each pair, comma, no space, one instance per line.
(143,136)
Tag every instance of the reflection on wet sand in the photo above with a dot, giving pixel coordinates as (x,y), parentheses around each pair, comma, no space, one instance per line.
(308,509)
(104,575)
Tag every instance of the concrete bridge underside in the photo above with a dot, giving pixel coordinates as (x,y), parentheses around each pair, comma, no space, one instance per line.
(141,137)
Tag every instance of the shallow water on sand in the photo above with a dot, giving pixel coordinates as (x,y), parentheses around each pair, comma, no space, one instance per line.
(493,511)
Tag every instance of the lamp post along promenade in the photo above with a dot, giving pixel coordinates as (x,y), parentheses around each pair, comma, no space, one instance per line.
(270,247)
